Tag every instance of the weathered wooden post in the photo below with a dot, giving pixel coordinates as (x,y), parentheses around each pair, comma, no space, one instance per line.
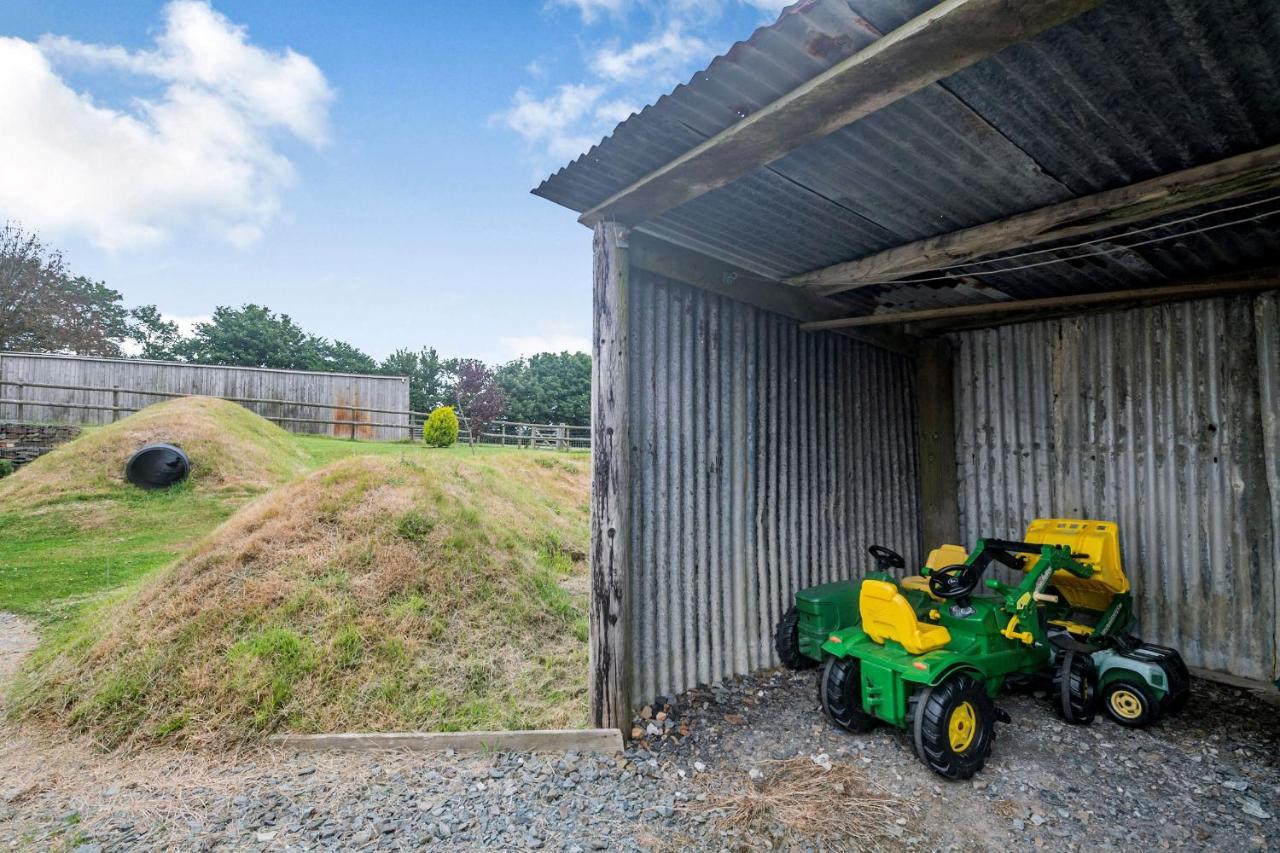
(610,483)
(115,403)
(19,395)
(935,414)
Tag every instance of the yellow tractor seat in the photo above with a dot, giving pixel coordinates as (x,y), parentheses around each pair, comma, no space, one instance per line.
(945,555)
(886,615)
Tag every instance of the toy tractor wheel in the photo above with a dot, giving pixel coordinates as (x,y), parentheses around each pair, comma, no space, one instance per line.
(840,692)
(1179,680)
(1075,688)
(786,640)
(953,726)
(1130,704)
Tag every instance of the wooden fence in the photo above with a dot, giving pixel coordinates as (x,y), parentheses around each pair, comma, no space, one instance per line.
(86,390)
(32,402)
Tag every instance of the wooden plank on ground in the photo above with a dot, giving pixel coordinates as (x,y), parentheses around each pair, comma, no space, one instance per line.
(534,740)
(948,37)
(1233,177)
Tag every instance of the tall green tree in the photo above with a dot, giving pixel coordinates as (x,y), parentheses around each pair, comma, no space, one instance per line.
(548,388)
(44,308)
(255,336)
(153,335)
(430,381)
(342,357)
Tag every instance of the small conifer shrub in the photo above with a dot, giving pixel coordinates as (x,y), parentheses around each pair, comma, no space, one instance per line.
(441,428)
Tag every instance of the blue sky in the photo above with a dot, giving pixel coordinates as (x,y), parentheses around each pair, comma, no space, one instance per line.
(363,167)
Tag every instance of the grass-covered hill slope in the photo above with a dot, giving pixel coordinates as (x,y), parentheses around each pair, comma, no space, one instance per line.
(229,447)
(70,526)
(434,591)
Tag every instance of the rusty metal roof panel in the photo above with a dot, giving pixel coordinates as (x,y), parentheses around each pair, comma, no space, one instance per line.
(1133,89)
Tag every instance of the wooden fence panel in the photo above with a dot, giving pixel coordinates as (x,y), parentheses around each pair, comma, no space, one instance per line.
(106,382)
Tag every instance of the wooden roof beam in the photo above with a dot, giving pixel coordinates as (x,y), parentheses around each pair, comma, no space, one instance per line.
(657,256)
(1245,282)
(1230,178)
(949,37)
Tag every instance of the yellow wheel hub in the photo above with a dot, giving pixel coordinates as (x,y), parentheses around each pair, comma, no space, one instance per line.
(962,727)
(1126,703)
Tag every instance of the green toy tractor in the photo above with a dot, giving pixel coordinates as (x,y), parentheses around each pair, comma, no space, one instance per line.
(929,654)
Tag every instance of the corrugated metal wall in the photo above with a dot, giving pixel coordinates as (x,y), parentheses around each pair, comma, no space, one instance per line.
(322,389)
(763,460)
(1162,419)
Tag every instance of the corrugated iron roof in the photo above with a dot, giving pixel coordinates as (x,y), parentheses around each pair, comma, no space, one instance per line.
(1128,91)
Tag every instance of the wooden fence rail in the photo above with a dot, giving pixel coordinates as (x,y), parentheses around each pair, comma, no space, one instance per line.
(504,433)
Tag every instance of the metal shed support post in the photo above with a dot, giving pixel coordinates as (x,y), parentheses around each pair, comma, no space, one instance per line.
(935,414)
(610,482)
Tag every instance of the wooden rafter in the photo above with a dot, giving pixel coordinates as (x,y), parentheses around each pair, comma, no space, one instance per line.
(723,279)
(947,38)
(1233,177)
(1253,280)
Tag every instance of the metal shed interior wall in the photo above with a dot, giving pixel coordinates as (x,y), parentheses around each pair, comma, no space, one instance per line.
(1163,419)
(764,460)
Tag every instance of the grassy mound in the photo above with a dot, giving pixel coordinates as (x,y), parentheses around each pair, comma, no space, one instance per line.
(73,527)
(230,448)
(438,592)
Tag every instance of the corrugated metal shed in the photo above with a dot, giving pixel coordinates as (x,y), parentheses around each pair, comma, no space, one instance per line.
(1133,89)
(765,460)
(1162,419)
(319,391)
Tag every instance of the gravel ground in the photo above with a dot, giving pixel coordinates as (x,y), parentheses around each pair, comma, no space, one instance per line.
(1209,778)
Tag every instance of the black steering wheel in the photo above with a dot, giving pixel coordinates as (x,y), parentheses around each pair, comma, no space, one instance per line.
(886,558)
(957,581)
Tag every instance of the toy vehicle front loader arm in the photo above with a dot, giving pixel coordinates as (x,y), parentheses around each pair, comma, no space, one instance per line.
(1022,602)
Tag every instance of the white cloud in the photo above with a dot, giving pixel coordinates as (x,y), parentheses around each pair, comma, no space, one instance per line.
(770,7)
(202,153)
(563,122)
(614,112)
(592,10)
(658,57)
(521,347)
(549,122)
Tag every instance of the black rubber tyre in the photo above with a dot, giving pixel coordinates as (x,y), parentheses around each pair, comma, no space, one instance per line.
(840,692)
(953,726)
(1176,673)
(1130,703)
(786,641)
(1075,689)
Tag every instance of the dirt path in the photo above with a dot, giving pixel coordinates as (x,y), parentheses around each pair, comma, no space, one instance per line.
(17,639)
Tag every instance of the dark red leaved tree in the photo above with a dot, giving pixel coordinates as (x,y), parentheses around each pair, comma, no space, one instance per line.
(479,397)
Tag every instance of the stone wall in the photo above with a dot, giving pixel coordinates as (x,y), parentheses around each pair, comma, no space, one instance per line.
(20,443)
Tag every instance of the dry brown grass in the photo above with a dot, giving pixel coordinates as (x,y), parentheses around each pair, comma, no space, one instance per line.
(374,594)
(230,448)
(798,799)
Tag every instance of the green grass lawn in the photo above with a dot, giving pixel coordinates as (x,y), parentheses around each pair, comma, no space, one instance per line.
(56,554)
